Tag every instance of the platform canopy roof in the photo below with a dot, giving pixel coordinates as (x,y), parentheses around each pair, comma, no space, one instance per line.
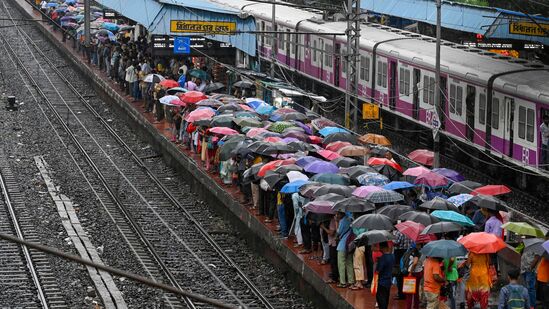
(189,17)
(490,22)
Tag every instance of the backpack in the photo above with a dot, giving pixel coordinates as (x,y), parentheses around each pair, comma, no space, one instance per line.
(515,300)
(350,245)
(405,262)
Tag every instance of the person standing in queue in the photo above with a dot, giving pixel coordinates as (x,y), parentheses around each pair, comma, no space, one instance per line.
(433,281)
(384,268)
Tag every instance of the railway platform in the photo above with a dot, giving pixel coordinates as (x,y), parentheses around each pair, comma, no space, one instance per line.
(309,275)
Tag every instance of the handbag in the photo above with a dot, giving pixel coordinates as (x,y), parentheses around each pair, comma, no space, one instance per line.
(350,245)
(409,284)
(373,287)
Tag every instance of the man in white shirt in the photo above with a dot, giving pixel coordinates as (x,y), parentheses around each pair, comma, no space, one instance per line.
(544,131)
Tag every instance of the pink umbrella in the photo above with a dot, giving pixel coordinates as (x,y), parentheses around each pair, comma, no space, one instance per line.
(416,171)
(177,102)
(365,190)
(272,139)
(431,180)
(246,107)
(255,131)
(328,155)
(320,207)
(422,156)
(223,131)
(200,114)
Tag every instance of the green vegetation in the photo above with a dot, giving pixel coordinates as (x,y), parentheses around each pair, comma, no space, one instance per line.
(473,2)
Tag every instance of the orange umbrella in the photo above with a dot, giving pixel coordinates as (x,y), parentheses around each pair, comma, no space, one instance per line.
(374,139)
(272,165)
(482,242)
(353,151)
(492,190)
(422,156)
(169,83)
(335,146)
(384,161)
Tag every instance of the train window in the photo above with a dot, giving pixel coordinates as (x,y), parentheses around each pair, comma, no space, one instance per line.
(429,90)
(262,35)
(343,60)
(382,74)
(288,39)
(364,68)
(425,89)
(314,51)
(404,82)
(269,36)
(530,123)
(482,109)
(456,99)
(522,122)
(328,55)
(495,113)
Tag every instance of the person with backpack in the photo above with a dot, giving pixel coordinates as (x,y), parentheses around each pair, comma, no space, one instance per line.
(384,268)
(514,295)
(401,245)
(412,260)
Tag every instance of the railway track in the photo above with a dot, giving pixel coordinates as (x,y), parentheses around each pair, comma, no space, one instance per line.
(26,277)
(160,227)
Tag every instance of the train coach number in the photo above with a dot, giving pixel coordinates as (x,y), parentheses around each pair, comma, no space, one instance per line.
(525,155)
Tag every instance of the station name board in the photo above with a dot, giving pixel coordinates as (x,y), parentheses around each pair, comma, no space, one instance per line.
(528,28)
(163,45)
(193,26)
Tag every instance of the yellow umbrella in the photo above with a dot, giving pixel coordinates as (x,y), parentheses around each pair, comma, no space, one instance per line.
(374,139)
(523,228)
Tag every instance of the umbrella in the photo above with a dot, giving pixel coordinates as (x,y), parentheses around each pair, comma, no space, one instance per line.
(383,161)
(419,217)
(272,165)
(410,229)
(331,130)
(245,113)
(293,187)
(305,127)
(288,116)
(300,146)
(344,161)
(491,190)
(336,179)
(545,246)
(285,169)
(264,109)
(222,121)
(432,180)
(422,156)
(354,151)
(374,139)
(440,204)
(398,185)
(356,171)
(463,187)
(247,122)
(198,74)
(449,174)
(244,84)
(295,134)
(523,228)
(373,222)
(388,171)
(175,90)
(394,211)
(211,87)
(441,227)
(482,242)
(280,126)
(255,131)
(193,97)
(341,137)
(319,207)
(319,166)
(328,155)
(373,237)
(222,131)
(272,139)
(314,139)
(254,102)
(235,142)
(332,197)
(452,216)
(384,196)
(533,244)
(416,171)
(169,83)
(489,202)
(308,190)
(199,114)
(229,107)
(460,199)
(353,204)
(294,175)
(285,110)
(167,100)
(335,146)
(330,188)
(272,179)
(153,78)
(321,123)
(372,179)
(303,161)
(251,173)
(443,249)
(363,191)
(110,26)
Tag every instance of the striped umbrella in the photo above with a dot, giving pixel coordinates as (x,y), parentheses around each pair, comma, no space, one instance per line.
(372,179)
(280,126)
(384,196)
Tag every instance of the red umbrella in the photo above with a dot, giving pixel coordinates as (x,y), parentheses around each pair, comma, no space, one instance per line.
(193,97)
(169,83)
(328,155)
(222,131)
(422,156)
(410,228)
(482,242)
(272,165)
(313,139)
(431,180)
(384,161)
(492,190)
(272,139)
(200,114)
(335,146)
(253,132)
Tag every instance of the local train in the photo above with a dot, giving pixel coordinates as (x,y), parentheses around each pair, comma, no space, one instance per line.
(490,101)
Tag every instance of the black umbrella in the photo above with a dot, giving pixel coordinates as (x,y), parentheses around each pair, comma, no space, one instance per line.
(332,197)
(344,162)
(488,202)
(251,173)
(222,121)
(439,203)
(208,102)
(292,116)
(225,150)
(340,136)
(247,122)
(465,186)
(373,222)
(373,237)
(274,149)
(418,217)
(378,151)
(284,169)
(211,87)
(441,227)
(353,204)
(229,107)
(272,179)
(244,84)
(308,190)
(388,171)
(301,146)
(257,145)
(356,171)
(394,211)
(330,188)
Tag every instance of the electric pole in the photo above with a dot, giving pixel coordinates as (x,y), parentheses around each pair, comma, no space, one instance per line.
(352,56)
(275,38)
(436,122)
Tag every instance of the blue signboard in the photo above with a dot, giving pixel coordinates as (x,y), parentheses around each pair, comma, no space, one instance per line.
(182,45)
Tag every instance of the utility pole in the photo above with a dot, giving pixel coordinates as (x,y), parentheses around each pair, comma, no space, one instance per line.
(87,30)
(275,43)
(352,56)
(435,122)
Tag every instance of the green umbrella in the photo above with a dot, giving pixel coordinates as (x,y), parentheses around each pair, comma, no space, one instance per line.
(523,228)
(280,126)
(198,74)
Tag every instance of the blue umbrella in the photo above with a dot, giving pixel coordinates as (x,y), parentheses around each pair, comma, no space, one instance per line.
(397,185)
(264,109)
(306,160)
(320,166)
(255,103)
(331,130)
(460,199)
(444,249)
(110,26)
(52,4)
(70,2)
(372,179)
(293,187)
(452,216)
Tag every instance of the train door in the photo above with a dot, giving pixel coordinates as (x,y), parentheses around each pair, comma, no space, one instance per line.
(470,112)
(288,44)
(509,122)
(443,103)
(392,84)
(321,59)
(337,63)
(417,81)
